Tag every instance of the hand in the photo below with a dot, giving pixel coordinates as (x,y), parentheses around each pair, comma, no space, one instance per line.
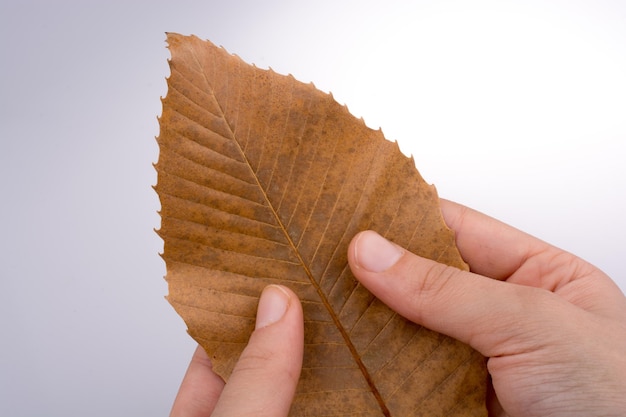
(552,326)
(264,380)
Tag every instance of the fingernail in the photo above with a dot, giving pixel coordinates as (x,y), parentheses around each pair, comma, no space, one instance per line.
(272,306)
(374,253)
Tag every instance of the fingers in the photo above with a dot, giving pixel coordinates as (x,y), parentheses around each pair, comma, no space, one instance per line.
(199,390)
(497,250)
(265,377)
(264,380)
(492,248)
(494,317)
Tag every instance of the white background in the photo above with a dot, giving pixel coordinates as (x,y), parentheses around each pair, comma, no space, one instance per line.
(515,108)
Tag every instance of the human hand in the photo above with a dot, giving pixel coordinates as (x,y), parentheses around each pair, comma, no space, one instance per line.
(552,326)
(264,380)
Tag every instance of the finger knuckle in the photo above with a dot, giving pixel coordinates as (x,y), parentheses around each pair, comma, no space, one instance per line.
(433,285)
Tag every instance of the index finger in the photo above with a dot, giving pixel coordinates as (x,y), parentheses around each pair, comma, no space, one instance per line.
(200,389)
(490,247)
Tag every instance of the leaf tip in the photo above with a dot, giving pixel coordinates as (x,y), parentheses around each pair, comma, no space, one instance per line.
(172,39)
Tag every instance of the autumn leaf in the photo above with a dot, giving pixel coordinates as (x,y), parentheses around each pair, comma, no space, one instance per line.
(265,180)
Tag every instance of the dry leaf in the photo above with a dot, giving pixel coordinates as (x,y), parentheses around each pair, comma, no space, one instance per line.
(263,179)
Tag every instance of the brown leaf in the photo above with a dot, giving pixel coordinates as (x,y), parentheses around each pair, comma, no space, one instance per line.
(263,179)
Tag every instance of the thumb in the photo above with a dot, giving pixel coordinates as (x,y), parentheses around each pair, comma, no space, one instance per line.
(264,379)
(492,316)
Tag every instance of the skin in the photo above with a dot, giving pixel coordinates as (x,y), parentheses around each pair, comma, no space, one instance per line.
(552,326)
(264,380)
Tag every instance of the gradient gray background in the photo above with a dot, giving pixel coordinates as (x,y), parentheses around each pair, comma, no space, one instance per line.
(516,109)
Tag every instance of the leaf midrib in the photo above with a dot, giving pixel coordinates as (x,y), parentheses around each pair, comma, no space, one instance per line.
(318,289)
